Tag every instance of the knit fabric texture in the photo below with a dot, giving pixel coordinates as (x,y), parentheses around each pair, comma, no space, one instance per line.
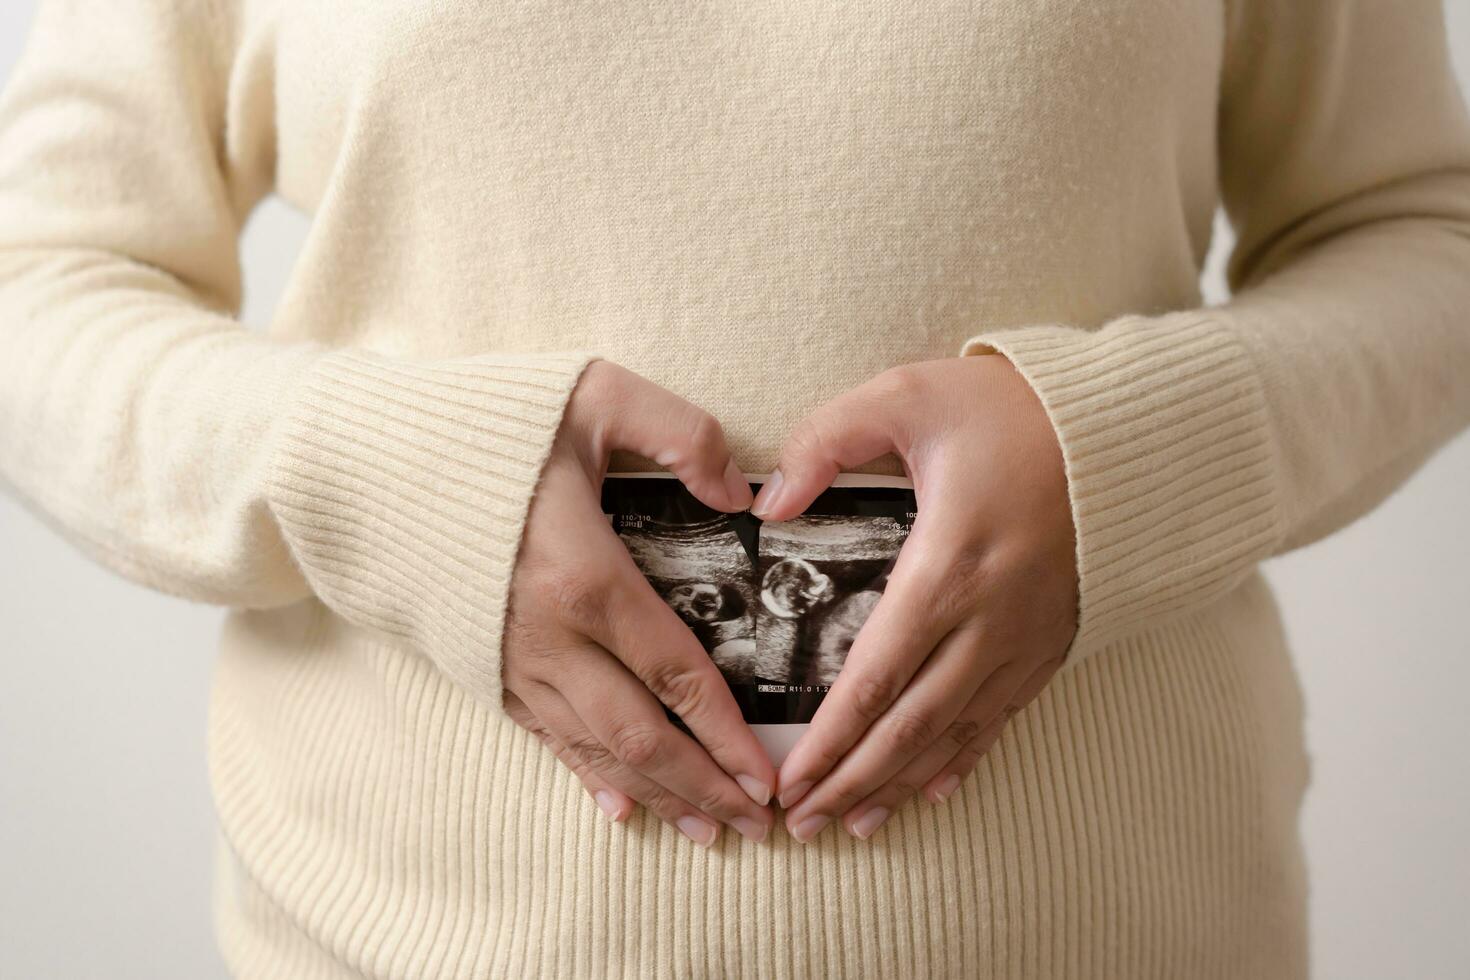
(757,205)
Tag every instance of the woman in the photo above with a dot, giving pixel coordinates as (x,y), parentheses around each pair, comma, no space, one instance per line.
(722,238)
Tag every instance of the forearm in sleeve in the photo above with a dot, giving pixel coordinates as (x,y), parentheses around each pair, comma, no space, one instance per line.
(1199,442)
(145,423)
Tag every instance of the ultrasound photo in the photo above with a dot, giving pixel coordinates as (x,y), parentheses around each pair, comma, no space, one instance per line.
(820,577)
(703,572)
(776,606)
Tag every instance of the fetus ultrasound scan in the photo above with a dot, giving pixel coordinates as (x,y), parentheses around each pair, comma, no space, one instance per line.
(777,606)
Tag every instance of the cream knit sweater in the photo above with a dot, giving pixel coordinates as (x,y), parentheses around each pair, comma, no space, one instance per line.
(757,204)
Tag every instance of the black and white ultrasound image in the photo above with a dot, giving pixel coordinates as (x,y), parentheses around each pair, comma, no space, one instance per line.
(776,606)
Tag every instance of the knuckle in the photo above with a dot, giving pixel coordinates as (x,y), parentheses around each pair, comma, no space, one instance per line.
(951,577)
(579,601)
(900,383)
(813,438)
(579,767)
(962,732)
(519,635)
(553,658)
(971,568)
(678,685)
(519,665)
(584,745)
(706,437)
(827,758)
(586,749)
(711,800)
(659,801)
(872,694)
(910,731)
(958,568)
(543,663)
(533,725)
(637,745)
(1024,563)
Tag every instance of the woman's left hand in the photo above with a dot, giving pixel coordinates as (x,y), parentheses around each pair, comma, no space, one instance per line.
(981,605)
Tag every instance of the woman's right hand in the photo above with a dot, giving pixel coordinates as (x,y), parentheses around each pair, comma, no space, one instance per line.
(591,650)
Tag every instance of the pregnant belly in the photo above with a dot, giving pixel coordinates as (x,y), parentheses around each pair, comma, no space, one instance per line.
(1139,819)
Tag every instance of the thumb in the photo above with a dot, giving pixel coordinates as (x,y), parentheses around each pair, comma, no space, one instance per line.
(657,424)
(855,427)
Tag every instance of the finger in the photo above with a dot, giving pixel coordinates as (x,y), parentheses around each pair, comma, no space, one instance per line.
(919,607)
(974,730)
(616,607)
(616,804)
(563,721)
(854,428)
(621,713)
(940,786)
(590,755)
(931,712)
(657,424)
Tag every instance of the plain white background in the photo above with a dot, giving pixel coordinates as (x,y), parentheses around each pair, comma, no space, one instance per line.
(105,818)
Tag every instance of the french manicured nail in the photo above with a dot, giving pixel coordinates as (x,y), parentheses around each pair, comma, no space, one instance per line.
(863,827)
(749,829)
(945,787)
(737,486)
(767,497)
(610,804)
(809,827)
(793,793)
(702,832)
(755,789)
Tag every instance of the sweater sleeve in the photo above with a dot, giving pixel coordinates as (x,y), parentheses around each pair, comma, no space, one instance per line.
(149,427)
(1199,442)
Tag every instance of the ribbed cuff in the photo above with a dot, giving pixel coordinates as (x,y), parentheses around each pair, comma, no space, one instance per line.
(403,487)
(1170,464)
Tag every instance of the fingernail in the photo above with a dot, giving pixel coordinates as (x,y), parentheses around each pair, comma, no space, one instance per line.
(702,832)
(793,794)
(752,830)
(945,787)
(809,827)
(863,827)
(609,803)
(755,789)
(737,486)
(767,497)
